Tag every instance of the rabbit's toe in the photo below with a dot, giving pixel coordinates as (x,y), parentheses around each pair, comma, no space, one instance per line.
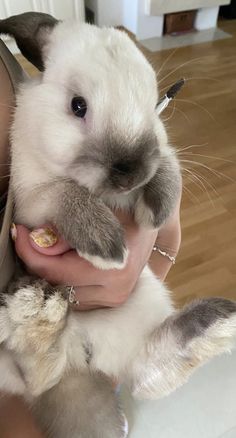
(36,301)
(105,263)
(36,313)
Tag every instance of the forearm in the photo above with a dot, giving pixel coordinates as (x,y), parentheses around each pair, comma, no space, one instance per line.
(16,420)
(168,240)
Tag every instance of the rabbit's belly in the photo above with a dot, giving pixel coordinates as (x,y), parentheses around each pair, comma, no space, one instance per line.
(48,342)
(112,338)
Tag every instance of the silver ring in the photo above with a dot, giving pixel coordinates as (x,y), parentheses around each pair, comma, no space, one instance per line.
(71,296)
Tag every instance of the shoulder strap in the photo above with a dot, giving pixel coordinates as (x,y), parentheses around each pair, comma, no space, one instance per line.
(7,258)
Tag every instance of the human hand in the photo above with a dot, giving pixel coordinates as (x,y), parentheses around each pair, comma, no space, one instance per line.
(94,288)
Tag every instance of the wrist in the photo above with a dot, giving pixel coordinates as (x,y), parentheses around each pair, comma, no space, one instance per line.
(160,265)
(164,253)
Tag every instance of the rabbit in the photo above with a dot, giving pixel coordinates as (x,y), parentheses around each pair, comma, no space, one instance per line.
(86,139)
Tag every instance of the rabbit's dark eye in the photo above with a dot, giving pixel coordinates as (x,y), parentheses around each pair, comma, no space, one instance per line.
(79,106)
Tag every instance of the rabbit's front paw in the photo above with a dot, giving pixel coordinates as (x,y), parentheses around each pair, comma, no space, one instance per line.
(160,195)
(144,215)
(105,264)
(91,228)
(100,241)
(104,246)
(150,211)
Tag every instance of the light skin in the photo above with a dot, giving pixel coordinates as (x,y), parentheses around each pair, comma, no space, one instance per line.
(96,288)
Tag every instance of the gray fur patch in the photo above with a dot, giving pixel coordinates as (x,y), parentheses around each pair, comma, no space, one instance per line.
(198,316)
(94,414)
(162,192)
(128,162)
(88,224)
(88,350)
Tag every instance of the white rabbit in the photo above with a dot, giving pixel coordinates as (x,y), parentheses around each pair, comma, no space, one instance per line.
(86,139)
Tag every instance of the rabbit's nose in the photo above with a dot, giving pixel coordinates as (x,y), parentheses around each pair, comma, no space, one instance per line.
(121,168)
(122,174)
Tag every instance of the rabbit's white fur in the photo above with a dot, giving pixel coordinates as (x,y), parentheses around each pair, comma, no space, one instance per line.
(116,336)
(46,346)
(54,136)
(135,343)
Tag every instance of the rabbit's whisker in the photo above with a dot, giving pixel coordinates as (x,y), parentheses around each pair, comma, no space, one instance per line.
(198,105)
(212,157)
(200,58)
(172,112)
(191,146)
(190,194)
(215,172)
(199,181)
(183,114)
(193,78)
(167,60)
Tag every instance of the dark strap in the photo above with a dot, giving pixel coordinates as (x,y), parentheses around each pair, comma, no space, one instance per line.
(7,258)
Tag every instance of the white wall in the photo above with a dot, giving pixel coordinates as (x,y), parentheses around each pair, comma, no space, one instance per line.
(157,7)
(135,14)
(107,12)
(206,18)
(130,15)
(148,26)
(62,9)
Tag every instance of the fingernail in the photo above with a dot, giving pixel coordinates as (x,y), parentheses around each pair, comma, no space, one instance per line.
(13,231)
(44,237)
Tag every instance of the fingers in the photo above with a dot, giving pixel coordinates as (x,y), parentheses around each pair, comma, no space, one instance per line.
(93,287)
(63,268)
(91,297)
(70,269)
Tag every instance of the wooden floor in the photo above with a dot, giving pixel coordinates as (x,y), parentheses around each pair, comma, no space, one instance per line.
(204,123)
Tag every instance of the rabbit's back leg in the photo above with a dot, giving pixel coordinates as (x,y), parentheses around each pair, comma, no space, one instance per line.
(35,315)
(81,405)
(184,341)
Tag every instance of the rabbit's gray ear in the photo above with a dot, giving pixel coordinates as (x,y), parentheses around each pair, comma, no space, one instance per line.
(31,31)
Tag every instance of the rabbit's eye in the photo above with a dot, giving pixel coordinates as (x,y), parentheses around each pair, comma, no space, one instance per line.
(79,106)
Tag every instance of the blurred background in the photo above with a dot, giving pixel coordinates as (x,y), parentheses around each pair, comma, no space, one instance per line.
(194,39)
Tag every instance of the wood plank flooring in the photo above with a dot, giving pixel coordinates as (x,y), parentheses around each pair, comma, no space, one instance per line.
(204,117)
(203,120)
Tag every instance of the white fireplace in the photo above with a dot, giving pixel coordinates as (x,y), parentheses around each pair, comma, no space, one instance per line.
(145,18)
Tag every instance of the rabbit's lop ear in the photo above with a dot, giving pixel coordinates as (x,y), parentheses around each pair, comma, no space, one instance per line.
(31,31)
